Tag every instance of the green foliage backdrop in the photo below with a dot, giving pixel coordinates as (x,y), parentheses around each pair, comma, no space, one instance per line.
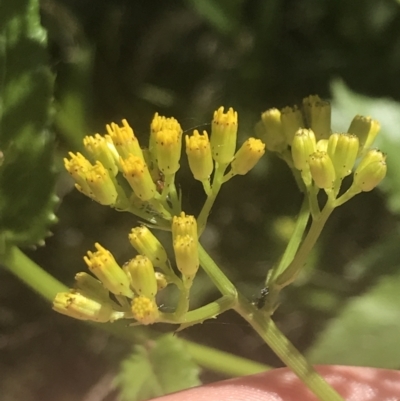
(120,59)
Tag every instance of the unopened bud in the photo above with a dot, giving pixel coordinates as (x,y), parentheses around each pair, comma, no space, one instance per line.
(371,171)
(137,174)
(322,170)
(224,128)
(101,148)
(162,281)
(271,131)
(124,140)
(144,241)
(247,156)
(318,115)
(103,265)
(184,225)
(142,276)
(292,121)
(366,129)
(343,150)
(198,150)
(303,146)
(186,255)
(80,307)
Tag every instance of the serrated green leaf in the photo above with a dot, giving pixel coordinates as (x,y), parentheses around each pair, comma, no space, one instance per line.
(26,178)
(366,332)
(346,104)
(161,368)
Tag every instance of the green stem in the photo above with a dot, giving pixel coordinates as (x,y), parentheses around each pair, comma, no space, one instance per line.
(268,331)
(294,242)
(170,189)
(207,186)
(184,293)
(208,204)
(224,285)
(223,362)
(31,274)
(291,272)
(285,350)
(159,208)
(209,311)
(352,191)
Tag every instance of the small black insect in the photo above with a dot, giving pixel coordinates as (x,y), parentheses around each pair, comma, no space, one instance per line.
(260,302)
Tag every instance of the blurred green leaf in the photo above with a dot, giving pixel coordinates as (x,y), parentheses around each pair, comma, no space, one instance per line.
(26,86)
(346,104)
(223,15)
(367,330)
(163,367)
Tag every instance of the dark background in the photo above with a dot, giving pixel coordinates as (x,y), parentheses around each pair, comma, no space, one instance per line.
(128,59)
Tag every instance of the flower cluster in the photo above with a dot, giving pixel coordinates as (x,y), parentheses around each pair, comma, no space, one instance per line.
(119,173)
(303,138)
(150,172)
(130,291)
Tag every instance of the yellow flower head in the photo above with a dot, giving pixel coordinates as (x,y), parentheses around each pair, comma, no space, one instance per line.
(124,140)
(137,174)
(168,147)
(145,310)
(198,150)
(102,149)
(224,128)
(103,265)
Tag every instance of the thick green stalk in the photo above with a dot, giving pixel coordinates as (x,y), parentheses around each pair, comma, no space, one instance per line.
(285,350)
(31,274)
(266,328)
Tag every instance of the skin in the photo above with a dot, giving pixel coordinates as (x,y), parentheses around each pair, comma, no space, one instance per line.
(353,383)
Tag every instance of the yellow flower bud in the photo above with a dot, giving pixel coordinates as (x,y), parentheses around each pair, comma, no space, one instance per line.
(161,281)
(124,140)
(247,156)
(318,116)
(168,150)
(184,225)
(145,310)
(322,145)
(224,128)
(198,150)
(144,241)
(103,265)
(303,146)
(322,170)
(160,123)
(80,307)
(366,129)
(142,276)
(137,174)
(87,285)
(272,132)
(371,171)
(102,187)
(292,121)
(102,149)
(77,167)
(343,150)
(93,181)
(186,255)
